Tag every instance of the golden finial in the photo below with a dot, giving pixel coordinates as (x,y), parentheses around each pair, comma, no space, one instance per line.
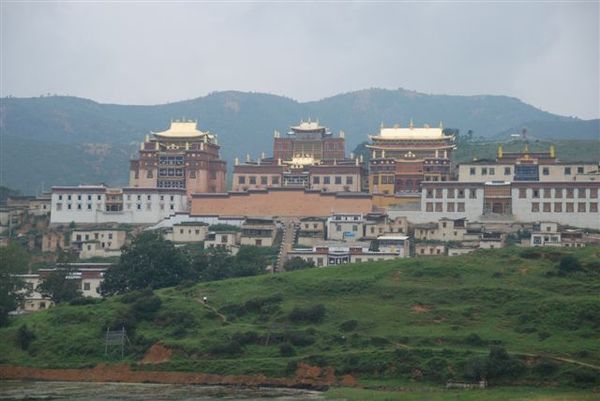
(410,124)
(237,161)
(500,151)
(526,150)
(552,151)
(247,157)
(342,134)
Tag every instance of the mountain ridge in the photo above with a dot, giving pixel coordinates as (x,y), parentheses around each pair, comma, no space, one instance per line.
(244,123)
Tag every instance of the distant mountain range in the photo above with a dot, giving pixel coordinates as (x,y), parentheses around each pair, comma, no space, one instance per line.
(59,140)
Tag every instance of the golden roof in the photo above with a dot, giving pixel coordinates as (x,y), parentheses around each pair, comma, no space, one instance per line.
(182,129)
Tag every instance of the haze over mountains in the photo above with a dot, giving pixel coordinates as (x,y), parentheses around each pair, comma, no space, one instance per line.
(59,140)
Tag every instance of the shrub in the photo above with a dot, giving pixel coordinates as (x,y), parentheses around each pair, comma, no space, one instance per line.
(286,350)
(300,339)
(436,369)
(133,296)
(84,301)
(230,348)
(249,337)
(297,263)
(568,264)
(24,337)
(530,253)
(474,340)
(545,368)
(349,325)
(500,364)
(312,314)
(146,307)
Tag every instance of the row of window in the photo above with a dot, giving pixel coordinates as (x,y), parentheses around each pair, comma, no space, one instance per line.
(569,207)
(79,206)
(79,197)
(558,192)
(451,193)
(508,170)
(264,180)
(450,207)
(385,179)
(170,184)
(170,172)
(99,197)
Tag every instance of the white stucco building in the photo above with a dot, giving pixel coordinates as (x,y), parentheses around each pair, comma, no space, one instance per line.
(100,204)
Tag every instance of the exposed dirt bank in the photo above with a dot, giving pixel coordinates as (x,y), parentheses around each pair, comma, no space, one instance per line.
(306,377)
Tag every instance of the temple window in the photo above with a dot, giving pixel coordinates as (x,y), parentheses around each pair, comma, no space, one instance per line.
(579,170)
(326,180)
(546,207)
(557,207)
(535,207)
(581,192)
(581,207)
(484,171)
(429,193)
(450,207)
(506,170)
(492,171)
(264,180)
(461,193)
(338,179)
(460,207)
(593,192)
(567,170)
(472,171)
(594,207)
(316,180)
(570,207)
(275,180)
(429,207)
(252,179)
(546,171)
(570,193)
(536,193)
(241,179)
(439,207)
(547,193)
(472,193)
(450,193)
(349,180)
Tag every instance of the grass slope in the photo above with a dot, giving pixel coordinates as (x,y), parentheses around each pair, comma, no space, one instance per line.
(388,323)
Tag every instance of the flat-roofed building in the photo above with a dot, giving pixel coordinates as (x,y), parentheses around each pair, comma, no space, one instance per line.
(86,204)
(258,232)
(98,242)
(187,232)
(527,166)
(336,253)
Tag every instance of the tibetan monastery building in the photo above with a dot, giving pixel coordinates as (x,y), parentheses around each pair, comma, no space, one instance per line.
(181,157)
(402,158)
(309,157)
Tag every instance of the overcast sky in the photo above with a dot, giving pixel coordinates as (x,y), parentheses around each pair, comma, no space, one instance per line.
(546,54)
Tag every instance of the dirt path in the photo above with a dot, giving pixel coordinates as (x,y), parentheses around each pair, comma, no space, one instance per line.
(213,309)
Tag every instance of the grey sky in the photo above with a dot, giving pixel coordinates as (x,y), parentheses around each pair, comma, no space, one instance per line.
(546,54)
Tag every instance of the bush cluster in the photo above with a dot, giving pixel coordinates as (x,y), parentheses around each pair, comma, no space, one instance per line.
(311,314)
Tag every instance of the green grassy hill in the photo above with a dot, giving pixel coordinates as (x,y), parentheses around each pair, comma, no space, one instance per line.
(386,323)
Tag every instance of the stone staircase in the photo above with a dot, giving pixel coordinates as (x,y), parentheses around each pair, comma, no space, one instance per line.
(290,230)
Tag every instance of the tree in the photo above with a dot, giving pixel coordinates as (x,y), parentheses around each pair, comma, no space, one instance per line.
(297,263)
(60,286)
(13,260)
(249,261)
(149,262)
